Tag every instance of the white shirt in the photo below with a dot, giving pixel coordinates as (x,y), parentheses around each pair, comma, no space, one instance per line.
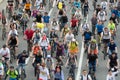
(104,5)
(1,69)
(78,14)
(38,3)
(101,15)
(43,73)
(44,43)
(5,52)
(13,32)
(85,77)
(69,37)
(55,27)
(112,77)
(105,36)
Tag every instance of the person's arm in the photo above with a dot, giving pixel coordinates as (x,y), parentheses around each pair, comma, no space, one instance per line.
(108,63)
(107,77)
(116,49)
(7,40)
(67,62)
(62,75)
(97,62)
(33,36)
(117,63)
(89,48)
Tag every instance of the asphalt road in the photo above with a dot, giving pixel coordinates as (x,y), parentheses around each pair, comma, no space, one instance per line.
(101,69)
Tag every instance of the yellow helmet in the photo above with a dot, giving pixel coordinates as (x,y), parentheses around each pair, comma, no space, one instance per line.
(93,40)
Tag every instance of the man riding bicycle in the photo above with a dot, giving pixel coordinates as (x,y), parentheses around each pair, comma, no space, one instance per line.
(21,61)
(12,73)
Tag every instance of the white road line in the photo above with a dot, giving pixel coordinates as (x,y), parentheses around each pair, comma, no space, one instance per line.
(80,62)
(27,60)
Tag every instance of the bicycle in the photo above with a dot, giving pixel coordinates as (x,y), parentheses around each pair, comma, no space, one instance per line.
(112,34)
(52,47)
(104,50)
(92,74)
(24,25)
(72,71)
(86,44)
(3,33)
(16,4)
(22,73)
(12,53)
(94,4)
(9,10)
(29,46)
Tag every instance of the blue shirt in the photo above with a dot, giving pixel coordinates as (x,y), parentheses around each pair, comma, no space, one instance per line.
(115,12)
(46,19)
(112,46)
(76,4)
(99,28)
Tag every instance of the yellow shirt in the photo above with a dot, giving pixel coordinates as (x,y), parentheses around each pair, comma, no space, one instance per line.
(111,26)
(40,25)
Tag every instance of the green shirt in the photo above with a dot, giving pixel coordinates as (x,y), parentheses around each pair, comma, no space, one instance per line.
(12,74)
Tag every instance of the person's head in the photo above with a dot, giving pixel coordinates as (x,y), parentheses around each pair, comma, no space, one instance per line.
(114,54)
(93,41)
(46,13)
(66,26)
(41,5)
(58,68)
(11,68)
(87,30)
(43,65)
(4,46)
(99,22)
(69,78)
(106,29)
(113,15)
(112,41)
(24,52)
(84,72)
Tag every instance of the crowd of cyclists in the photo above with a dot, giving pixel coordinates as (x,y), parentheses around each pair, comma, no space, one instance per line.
(52,41)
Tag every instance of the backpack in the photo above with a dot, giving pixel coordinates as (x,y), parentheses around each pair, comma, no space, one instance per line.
(37,36)
(105,34)
(73,45)
(10,73)
(54,23)
(60,5)
(93,46)
(82,77)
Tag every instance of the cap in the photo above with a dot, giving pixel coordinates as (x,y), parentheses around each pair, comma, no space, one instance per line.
(24,51)
(93,40)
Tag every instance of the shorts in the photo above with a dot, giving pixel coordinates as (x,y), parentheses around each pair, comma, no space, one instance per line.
(99,33)
(106,40)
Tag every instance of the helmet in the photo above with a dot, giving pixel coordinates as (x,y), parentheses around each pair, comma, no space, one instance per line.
(93,40)
(4,46)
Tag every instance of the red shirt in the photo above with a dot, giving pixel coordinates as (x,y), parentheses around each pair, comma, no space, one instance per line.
(74,21)
(29,34)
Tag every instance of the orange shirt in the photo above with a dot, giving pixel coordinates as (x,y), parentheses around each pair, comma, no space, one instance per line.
(27,6)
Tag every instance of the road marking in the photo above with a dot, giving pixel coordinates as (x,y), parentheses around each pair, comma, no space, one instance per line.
(80,62)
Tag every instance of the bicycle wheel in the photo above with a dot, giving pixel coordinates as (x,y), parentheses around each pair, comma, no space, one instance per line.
(22,76)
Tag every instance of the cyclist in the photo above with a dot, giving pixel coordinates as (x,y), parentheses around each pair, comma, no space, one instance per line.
(64,31)
(54,24)
(105,36)
(71,61)
(58,73)
(93,23)
(39,17)
(73,47)
(21,61)
(114,19)
(13,41)
(92,62)
(50,64)
(5,52)
(93,47)
(77,4)
(74,24)
(44,42)
(12,73)
(111,75)
(44,72)
(85,76)
(1,69)
(36,49)
(112,47)
(113,61)
(10,4)
(112,28)
(46,19)
(85,8)
(36,36)
(27,7)
(104,5)
(87,36)
(79,16)
(68,37)
(98,8)
(28,35)
(101,16)
(38,59)
(84,27)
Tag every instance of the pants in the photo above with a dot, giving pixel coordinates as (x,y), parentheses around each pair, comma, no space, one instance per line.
(92,65)
(22,65)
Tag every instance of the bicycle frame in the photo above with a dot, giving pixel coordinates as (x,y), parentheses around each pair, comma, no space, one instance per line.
(72,71)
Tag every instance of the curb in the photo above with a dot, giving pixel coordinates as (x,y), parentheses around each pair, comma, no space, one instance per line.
(1,1)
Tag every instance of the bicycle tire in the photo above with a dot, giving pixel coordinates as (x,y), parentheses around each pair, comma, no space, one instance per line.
(22,76)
